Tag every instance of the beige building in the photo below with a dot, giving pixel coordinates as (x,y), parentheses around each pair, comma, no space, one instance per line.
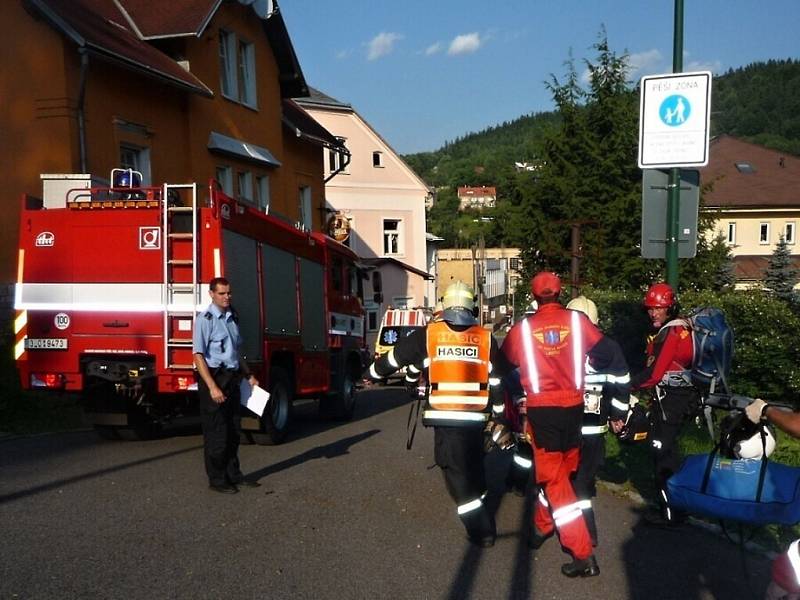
(492,272)
(384,202)
(756,194)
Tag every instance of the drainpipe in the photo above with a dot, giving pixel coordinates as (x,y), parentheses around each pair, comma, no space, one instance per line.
(81,117)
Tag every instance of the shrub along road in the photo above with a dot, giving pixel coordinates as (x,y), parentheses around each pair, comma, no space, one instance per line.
(344,511)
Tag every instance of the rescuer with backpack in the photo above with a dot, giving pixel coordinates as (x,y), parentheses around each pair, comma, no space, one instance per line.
(550,349)
(465,401)
(670,354)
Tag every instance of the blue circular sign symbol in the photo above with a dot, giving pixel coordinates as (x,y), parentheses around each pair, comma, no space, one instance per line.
(675,110)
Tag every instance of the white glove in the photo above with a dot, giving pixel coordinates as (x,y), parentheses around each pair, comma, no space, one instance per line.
(755,409)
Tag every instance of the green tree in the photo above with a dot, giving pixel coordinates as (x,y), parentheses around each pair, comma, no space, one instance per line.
(781,275)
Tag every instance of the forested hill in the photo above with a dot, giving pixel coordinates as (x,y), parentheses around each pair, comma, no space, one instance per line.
(759,102)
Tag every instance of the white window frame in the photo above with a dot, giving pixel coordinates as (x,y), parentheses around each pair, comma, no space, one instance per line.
(789,233)
(403,302)
(237,69)
(246,72)
(336,160)
(763,233)
(304,198)
(224,176)
(389,234)
(228,81)
(244,181)
(262,193)
(731,232)
(377,154)
(138,159)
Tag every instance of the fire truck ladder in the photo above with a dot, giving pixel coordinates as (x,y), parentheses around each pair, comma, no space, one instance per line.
(181,291)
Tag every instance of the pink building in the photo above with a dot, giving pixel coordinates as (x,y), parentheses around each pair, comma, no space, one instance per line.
(384,202)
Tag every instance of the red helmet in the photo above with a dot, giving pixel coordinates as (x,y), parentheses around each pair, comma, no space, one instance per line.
(545,285)
(660,295)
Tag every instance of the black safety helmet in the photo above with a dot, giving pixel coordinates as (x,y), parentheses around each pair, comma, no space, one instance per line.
(637,426)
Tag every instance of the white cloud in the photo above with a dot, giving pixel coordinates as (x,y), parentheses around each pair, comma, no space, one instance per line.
(342,54)
(714,66)
(644,63)
(466,43)
(382,44)
(433,49)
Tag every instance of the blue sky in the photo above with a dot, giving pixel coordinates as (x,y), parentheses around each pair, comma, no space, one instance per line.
(425,71)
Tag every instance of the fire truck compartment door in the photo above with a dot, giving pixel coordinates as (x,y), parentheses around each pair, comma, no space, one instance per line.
(240,260)
(280,291)
(314,334)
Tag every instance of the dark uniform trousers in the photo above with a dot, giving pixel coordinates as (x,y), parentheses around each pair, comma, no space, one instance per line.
(458,452)
(221,427)
(593,452)
(667,418)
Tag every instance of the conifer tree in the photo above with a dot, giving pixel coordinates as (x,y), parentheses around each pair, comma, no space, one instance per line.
(781,276)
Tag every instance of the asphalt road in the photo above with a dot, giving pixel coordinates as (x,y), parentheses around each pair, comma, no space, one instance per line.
(344,511)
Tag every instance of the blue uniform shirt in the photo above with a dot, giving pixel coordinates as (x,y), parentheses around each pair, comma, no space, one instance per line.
(216,337)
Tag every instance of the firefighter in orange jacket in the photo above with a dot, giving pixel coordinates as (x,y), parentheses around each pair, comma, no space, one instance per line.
(675,400)
(550,349)
(465,402)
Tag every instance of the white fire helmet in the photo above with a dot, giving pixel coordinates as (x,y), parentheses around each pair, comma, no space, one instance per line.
(586,306)
(458,295)
(743,439)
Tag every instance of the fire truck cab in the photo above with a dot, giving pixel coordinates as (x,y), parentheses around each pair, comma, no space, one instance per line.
(110,281)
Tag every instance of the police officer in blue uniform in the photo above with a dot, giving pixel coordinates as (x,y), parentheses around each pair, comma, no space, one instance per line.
(220,368)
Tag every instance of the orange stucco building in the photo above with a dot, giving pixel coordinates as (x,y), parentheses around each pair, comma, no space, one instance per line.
(186,90)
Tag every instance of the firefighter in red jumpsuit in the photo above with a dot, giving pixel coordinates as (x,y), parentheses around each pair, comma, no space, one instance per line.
(675,399)
(550,349)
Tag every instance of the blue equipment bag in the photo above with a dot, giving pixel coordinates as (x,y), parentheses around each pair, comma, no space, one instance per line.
(756,491)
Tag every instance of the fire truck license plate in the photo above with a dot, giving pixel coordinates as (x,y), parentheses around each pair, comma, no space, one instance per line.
(45,343)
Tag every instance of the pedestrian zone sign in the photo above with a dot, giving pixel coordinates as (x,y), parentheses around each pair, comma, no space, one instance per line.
(674,113)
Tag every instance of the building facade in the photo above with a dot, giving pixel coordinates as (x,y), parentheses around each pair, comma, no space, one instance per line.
(384,202)
(755,196)
(194,91)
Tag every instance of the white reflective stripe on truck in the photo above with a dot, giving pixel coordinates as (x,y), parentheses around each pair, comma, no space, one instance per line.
(99,297)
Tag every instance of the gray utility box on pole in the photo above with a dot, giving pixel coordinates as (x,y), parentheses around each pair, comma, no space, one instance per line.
(654,213)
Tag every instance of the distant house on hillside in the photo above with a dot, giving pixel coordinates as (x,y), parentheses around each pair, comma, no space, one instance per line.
(756,193)
(477,197)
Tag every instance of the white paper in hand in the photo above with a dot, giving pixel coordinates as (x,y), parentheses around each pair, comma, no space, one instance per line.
(253,398)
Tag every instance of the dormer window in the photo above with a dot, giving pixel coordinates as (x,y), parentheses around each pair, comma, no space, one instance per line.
(745,167)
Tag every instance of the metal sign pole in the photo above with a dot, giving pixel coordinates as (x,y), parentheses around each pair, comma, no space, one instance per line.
(674,198)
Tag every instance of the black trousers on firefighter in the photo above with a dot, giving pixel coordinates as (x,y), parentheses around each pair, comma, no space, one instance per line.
(593,455)
(221,428)
(676,406)
(458,452)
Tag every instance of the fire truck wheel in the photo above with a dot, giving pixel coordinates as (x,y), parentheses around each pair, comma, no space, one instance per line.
(341,404)
(275,422)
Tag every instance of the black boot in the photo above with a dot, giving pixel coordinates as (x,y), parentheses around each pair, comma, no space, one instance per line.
(586,567)
(536,538)
(480,527)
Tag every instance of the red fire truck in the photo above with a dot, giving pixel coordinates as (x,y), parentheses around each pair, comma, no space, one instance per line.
(110,281)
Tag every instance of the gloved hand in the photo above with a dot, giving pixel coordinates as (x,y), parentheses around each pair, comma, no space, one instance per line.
(755,409)
(497,434)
